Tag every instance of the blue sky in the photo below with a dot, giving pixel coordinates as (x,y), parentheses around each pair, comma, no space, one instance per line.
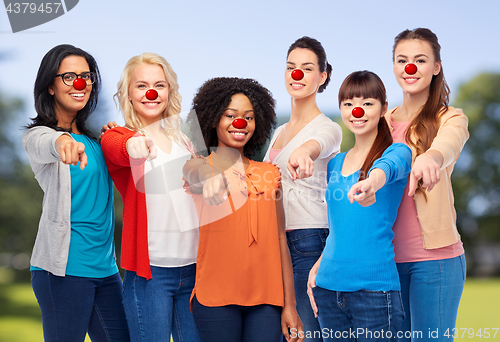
(205,39)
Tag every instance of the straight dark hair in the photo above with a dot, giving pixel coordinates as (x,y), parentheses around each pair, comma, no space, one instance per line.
(316,47)
(367,84)
(423,128)
(44,102)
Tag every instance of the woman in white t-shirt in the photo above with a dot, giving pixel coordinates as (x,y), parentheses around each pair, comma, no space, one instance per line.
(304,145)
(160,224)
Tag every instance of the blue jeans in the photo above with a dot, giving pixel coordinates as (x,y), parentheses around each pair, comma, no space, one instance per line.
(235,323)
(159,307)
(431,291)
(72,306)
(306,246)
(359,316)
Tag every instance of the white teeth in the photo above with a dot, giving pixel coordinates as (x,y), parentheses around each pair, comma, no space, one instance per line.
(358,122)
(238,134)
(150,104)
(77,95)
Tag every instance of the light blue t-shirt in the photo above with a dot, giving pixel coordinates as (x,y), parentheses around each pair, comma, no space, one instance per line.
(359,254)
(92,249)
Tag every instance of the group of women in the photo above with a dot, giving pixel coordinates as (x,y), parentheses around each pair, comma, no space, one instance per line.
(309,245)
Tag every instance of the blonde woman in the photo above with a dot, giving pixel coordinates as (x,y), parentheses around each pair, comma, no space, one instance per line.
(160,235)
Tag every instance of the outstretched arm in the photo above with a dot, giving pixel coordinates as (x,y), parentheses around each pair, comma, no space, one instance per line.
(301,161)
(323,143)
(393,165)
(445,149)
(364,191)
(214,187)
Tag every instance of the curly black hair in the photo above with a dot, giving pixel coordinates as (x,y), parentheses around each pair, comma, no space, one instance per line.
(212,99)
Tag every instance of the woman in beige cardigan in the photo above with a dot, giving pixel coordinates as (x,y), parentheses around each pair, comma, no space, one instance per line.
(428,250)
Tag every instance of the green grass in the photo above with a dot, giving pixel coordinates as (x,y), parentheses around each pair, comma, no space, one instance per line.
(20,319)
(479,309)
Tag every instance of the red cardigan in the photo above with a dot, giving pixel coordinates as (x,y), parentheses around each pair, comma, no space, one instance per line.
(129,180)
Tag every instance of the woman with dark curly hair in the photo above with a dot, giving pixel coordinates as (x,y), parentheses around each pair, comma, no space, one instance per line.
(73,268)
(304,146)
(244,282)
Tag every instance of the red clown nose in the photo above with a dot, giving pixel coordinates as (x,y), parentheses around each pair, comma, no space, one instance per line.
(151,94)
(358,112)
(79,84)
(239,123)
(410,69)
(297,74)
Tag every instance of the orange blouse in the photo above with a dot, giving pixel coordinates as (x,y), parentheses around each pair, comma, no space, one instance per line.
(239,259)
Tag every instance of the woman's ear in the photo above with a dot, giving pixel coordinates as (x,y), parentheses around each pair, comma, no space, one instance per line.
(384,109)
(324,76)
(437,68)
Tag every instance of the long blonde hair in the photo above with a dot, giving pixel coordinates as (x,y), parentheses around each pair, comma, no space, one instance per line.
(171,121)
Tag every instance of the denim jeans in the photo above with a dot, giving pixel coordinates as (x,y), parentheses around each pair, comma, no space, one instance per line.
(360,315)
(431,291)
(235,323)
(159,307)
(72,306)
(306,246)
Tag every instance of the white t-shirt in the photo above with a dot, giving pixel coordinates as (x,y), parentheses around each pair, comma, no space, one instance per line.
(172,217)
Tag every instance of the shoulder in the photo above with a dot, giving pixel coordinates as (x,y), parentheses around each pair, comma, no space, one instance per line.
(116,134)
(279,128)
(39,130)
(455,115)
(397,148)
(325,121)
(267,173)
(121,131)
(264,166)
(388,115)
(451,112)
(335,161)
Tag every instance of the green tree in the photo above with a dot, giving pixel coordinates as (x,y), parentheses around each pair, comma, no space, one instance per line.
(476,180)
(20,195)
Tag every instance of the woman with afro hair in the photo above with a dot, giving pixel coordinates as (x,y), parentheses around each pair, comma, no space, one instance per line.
(244,282)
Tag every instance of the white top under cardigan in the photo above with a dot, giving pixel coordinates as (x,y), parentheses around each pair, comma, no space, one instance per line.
(172,218)
(304,199)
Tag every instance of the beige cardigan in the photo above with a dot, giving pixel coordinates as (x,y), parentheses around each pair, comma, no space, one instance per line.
(437,215)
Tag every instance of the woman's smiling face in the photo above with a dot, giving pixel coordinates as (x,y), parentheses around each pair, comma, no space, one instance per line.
(420,53)
(230,136)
